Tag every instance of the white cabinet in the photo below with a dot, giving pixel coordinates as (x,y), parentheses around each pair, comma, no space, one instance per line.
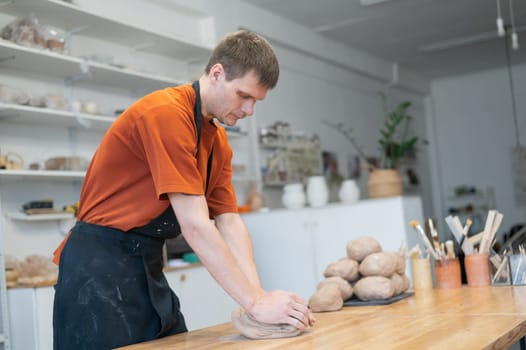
(31,318)
(292,248)
(203,302)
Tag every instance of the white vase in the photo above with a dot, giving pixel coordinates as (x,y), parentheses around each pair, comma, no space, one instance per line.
(349,192)
(317,191)
(293,196)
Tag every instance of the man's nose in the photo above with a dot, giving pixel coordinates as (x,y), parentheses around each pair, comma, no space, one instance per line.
(248,107)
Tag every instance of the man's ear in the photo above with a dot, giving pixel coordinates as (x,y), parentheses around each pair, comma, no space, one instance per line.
(216,72)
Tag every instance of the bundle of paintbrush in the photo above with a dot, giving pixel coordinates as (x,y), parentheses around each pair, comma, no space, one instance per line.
(437,250)
(481,242)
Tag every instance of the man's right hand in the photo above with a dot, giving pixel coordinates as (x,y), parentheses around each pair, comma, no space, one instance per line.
(282,307)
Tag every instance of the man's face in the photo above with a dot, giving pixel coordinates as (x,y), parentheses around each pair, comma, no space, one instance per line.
(235,99)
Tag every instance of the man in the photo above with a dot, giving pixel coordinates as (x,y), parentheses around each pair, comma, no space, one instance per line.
(164,168)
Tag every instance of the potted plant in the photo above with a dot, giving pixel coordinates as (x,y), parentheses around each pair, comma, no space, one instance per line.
(395,144)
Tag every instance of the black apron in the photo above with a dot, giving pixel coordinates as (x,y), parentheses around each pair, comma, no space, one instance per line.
(111,290)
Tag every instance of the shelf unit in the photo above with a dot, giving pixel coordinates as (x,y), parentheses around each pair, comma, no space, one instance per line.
(32,115)
(13,56)
(54,175)
(39,217)
(70,16)
(74,72)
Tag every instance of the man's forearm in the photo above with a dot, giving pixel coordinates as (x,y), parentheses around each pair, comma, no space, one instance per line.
(210,247)
(236,236)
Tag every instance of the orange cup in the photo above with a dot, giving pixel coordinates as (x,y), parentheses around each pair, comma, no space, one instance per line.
(477,270)
(447,273)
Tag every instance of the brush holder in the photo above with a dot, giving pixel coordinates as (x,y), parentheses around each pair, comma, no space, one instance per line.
(421,273)
(477,270)
(447,273)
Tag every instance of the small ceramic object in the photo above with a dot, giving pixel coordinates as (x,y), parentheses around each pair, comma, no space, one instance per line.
(317,191)
(349,192)
(293,196)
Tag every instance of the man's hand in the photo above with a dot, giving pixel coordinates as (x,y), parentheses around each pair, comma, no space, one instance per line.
(282,307)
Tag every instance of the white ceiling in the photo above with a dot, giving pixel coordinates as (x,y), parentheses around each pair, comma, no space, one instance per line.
(400,30)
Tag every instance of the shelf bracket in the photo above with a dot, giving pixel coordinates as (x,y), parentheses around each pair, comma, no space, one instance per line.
(85,74)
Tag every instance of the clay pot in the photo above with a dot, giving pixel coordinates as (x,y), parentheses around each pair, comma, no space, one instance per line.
(384,183)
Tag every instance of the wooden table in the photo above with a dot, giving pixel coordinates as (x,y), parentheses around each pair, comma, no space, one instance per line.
(464,318)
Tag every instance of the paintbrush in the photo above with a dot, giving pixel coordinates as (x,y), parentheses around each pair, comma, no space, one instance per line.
(434,234)
(450,249)
(416,225)
(466,244)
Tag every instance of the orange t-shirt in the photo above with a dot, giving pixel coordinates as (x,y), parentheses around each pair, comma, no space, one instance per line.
(149,151)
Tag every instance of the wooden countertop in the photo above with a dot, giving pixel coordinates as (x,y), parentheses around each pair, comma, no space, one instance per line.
(464,318)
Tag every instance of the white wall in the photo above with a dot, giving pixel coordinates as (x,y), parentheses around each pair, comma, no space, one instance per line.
(474,134)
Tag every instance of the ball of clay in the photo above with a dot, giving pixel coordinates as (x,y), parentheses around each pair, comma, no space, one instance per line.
(345,287)
(400,266)
(374,288)
(359,248)
(327,298)
(379,264)
(400,283)
(253,329)
(344,268)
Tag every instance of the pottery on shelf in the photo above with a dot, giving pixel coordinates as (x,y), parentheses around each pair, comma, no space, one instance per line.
(384,183)
(317,191)
(349,192)
(293,196)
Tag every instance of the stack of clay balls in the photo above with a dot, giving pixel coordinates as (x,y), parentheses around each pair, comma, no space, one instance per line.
(366,272)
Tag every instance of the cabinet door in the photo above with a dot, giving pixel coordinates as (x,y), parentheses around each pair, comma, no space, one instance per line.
(22,318)
(203,302)
(31,318)
(284,250)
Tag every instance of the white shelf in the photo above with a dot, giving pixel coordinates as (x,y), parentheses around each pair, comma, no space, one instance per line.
(40,217)
(32,115)
(243,178)
(13,56)
(70,16)
(42,175)
(236,135)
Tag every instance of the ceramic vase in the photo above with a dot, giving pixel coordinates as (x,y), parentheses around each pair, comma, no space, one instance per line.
(293,196)
(317,191)
(349,192)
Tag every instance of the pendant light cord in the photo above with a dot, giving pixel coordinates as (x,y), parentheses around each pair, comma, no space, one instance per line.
(512,91)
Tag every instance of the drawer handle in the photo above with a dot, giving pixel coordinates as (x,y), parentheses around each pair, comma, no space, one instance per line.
(182,277)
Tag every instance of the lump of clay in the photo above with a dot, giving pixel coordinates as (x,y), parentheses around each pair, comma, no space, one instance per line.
(250,328)
(400,283)
(344,268)
(359,248)
(327,298)
(374,288)
(400,266)
(379,264)
(345,287)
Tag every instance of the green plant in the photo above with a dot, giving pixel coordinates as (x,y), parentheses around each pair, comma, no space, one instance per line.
(395,141)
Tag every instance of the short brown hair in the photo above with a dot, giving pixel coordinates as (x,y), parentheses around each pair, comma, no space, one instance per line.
(243,51)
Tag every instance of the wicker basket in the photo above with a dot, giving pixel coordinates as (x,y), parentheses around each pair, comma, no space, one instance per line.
(384,183)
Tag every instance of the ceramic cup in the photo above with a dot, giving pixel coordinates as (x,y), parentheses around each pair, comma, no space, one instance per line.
(421,272)
(447,273)
(477,270)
